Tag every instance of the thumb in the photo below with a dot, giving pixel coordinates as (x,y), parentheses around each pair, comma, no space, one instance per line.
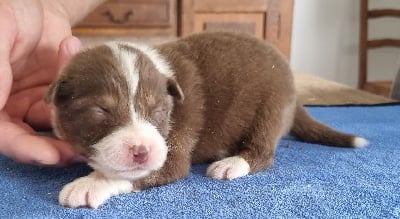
(68,48)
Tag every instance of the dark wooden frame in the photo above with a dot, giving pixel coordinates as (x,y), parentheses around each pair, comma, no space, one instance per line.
(378,87)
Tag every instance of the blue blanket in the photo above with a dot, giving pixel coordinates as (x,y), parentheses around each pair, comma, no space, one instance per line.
(306,181)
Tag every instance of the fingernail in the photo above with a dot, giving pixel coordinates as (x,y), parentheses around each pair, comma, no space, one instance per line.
(41,164)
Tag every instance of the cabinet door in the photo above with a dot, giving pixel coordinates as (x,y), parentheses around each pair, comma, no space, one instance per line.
(266,19)
(130,14)
(131,17)
(278,24)
(237,22)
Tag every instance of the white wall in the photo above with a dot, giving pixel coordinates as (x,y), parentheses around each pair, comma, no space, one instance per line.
(326,35)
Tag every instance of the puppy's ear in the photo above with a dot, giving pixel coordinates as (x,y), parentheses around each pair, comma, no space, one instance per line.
(49,98)
(175,90)
(69,47)
(59,91)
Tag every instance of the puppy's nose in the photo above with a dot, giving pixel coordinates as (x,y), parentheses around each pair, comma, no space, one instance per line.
(139,153)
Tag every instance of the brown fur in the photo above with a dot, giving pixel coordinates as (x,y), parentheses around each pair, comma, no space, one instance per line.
(245,100)
(83,107)
(231,95)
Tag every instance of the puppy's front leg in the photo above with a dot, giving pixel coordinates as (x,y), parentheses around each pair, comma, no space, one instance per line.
(176,166)
(92,190)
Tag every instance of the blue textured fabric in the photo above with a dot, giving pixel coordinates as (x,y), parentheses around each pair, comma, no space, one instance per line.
(306,181)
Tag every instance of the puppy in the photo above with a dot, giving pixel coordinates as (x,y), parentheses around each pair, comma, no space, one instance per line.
(142,115)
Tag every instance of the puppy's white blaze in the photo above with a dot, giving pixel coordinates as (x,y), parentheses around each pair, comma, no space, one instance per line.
(128,62)
(359,142)
(229,168)
(113,158)
(156,58)
(92,190)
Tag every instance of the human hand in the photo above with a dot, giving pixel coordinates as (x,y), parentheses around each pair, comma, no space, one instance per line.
(35,41)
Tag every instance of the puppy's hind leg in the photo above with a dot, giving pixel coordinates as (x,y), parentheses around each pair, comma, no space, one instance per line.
(258,149)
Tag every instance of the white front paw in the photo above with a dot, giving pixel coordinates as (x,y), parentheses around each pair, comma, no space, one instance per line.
(228,168)
(92,191)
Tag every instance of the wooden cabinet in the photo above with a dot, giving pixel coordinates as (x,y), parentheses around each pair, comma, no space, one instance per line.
(236,22)
(131,17)
(265,19)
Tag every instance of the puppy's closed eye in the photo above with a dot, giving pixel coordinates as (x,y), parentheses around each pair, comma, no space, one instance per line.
(100,112)
(160,112)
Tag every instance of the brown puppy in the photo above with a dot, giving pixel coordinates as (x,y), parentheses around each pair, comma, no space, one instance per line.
(142,115)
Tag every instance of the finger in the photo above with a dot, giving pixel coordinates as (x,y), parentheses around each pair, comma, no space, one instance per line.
(22,146)
(20,103)
(68,48)
(27,147)
(31,148)
(45,151)
(67,155)
(39,113)
(39,116)
(34,78)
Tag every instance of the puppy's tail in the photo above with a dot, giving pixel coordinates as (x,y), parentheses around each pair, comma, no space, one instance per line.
(307,129)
